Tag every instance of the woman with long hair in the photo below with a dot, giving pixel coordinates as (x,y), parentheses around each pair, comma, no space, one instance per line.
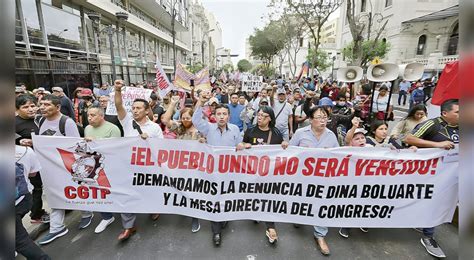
(416,115)
(263,133)
(378,135)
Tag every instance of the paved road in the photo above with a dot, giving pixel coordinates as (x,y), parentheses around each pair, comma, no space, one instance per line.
(171,238)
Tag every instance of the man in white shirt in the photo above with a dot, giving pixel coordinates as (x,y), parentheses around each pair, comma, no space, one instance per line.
(137,124)
(283,114)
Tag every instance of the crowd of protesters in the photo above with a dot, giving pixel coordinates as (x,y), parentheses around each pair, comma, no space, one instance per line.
(313,113)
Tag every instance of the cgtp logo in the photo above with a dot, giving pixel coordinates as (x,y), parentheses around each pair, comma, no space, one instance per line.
(87,169)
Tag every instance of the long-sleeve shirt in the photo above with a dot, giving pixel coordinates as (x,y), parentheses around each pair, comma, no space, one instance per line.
(229,137)
(405,127)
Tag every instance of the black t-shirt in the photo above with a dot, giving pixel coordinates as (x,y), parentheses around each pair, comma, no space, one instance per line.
(24,127)
(255,136)
(437,130)
(158,110)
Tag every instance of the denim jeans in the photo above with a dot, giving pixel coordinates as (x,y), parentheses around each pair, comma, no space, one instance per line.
(320,231)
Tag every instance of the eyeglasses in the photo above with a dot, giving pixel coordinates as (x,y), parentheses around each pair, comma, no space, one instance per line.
(263,115)
(321,118)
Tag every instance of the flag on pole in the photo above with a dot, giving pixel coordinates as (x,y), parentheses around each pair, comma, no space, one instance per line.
(162,82)
(304,72)
(201,79)
(182,78)
(448,84)
(236,76)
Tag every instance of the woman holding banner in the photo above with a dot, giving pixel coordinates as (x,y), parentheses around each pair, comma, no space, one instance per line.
(184,130)
(264,133)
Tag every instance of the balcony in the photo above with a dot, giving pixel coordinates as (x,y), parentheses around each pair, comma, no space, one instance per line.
(433,63)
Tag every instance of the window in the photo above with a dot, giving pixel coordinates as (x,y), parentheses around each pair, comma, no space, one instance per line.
(363,5)
(421,45)
(453,41)
(388,3)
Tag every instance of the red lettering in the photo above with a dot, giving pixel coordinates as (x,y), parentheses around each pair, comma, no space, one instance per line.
(320,167)
(292,166)
(162,157)
(360,165)
(183,159)
(369,170)
(141,155)
(149,162)
(309,167)
(280,166)
(83,192)
(67,192)
(193,159)
(331,167)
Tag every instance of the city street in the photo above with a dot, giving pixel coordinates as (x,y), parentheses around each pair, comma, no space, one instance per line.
(170,238)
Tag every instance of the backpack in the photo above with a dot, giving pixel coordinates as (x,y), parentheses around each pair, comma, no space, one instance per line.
(418,96)
(21,186)
(62,125)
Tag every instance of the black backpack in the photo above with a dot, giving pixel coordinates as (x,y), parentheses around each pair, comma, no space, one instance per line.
(21,186)
(62,125)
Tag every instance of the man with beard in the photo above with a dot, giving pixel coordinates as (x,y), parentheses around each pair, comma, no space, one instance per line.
(221,133)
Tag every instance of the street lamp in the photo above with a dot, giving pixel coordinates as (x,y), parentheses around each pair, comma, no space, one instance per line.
(217,60)
(95,17)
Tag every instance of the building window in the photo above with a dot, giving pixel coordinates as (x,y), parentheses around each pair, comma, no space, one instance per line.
(388,3)
(453,41)
(363,5)
(421,45)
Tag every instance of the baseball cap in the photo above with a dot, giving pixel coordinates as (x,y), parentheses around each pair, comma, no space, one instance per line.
(325,101)
(264,100)
(281,91)
(86,92)
(41,90)
(360,131)
(59,89)
(19,90)
(212,101)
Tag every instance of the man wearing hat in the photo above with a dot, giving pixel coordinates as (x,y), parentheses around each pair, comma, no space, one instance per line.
(87,102)
(19,91)
(67,108)
(283,113)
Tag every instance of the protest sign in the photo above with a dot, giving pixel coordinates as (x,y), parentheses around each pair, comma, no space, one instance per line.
(129,94)
(162,82)
(348,187)
(251,83)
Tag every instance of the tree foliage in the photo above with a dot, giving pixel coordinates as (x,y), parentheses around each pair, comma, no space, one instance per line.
(313,14)
(263,70)
(228,67)
(244,65)
(196,67)
(319,59)
(368,51)
(266,43)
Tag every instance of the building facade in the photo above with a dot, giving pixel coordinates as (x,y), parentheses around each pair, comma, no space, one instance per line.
(58,44)
(396,12)
(431,39)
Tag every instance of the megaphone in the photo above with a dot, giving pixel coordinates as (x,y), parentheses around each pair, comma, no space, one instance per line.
(350,74)
(382,72)
(411,71)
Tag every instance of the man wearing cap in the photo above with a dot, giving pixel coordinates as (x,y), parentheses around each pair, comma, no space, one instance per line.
(87,102)
(235,111)
(283,113)
(67,108)
(19,91)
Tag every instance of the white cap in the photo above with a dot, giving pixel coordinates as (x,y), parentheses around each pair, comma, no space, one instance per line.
(360,130)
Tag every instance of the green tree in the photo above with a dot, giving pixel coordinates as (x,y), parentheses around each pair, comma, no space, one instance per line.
(228,67)
(263,70)
(318,59)
(266,43)
(368,51)
(196,67)
(244,65)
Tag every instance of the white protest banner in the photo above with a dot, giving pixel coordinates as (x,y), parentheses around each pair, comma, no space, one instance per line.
(251,83)
(129,94)
(163,84)
(340,187)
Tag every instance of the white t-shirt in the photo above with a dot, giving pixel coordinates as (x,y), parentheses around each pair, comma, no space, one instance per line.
(151,128)
(282,119)
(26,156)
(380,104)
(51,127)
(299,112)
